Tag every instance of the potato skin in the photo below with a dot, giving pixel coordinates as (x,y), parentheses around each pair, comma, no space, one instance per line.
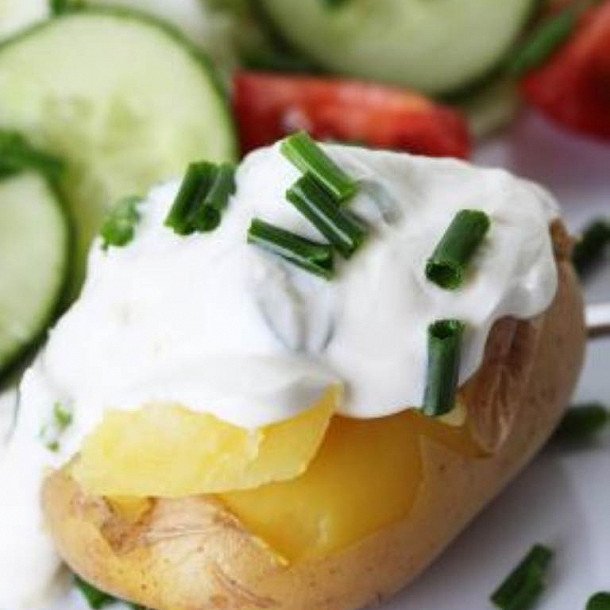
(191,554)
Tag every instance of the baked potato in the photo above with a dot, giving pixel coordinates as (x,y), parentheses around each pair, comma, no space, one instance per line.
(358,523)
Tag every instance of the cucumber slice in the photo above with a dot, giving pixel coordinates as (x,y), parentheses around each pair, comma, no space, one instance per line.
(16,15)
(211,30)
(435,46)
(34,239)
(122,98)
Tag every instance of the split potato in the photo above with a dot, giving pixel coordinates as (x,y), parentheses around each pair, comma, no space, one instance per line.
(168,451)
(378,502)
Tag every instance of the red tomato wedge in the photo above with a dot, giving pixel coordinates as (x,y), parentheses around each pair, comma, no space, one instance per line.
(270,106)
(573,88)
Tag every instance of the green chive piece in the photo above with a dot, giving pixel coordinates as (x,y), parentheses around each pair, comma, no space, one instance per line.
(98,599)
(16,155)
(342,229)
(51,433)
(544,41)
(223,186)
(193,190)
(208,215)
(120,225)
(205,219)
(594,243)
(95,598)
(600,601)
(59,7)
(447,265)
(333,4)
(305,154)
(531,587)
(525,584)
(202,197)
(444,346)
(312,256)
(277,60)
(63,415)
(583,421)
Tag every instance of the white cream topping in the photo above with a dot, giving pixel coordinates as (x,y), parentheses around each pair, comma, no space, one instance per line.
(220,326)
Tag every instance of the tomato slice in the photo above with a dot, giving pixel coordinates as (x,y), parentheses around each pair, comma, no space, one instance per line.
(573,88)
(270,106)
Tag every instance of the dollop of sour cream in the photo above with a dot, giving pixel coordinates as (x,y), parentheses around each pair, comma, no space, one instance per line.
(223,327)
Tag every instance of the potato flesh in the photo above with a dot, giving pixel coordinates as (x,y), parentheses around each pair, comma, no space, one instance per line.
(366,476)
(168,451)
(306,487)
(349,490)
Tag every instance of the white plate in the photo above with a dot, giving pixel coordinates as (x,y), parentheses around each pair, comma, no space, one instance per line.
(563,498)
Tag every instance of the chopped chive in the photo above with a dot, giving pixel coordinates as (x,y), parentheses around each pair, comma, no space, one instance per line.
(51,433)
(203,195)
(95,598)
(590,250)
(545,40)
(120,224)
(447,265)
(58,7)
(583,421)
(525,584)
(63,415)
(196,184)
(223,186)
(530,589)
(444,346)
(340,227)
(206,216)
(205,219)
(16,155)
(305,154)
(276,60)
(309,255)
(52,446)
(599,601)
(98,599)
(334,3)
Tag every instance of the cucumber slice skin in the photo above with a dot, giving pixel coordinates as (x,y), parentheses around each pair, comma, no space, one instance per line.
(88,200)
(335,39)
(51,240)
